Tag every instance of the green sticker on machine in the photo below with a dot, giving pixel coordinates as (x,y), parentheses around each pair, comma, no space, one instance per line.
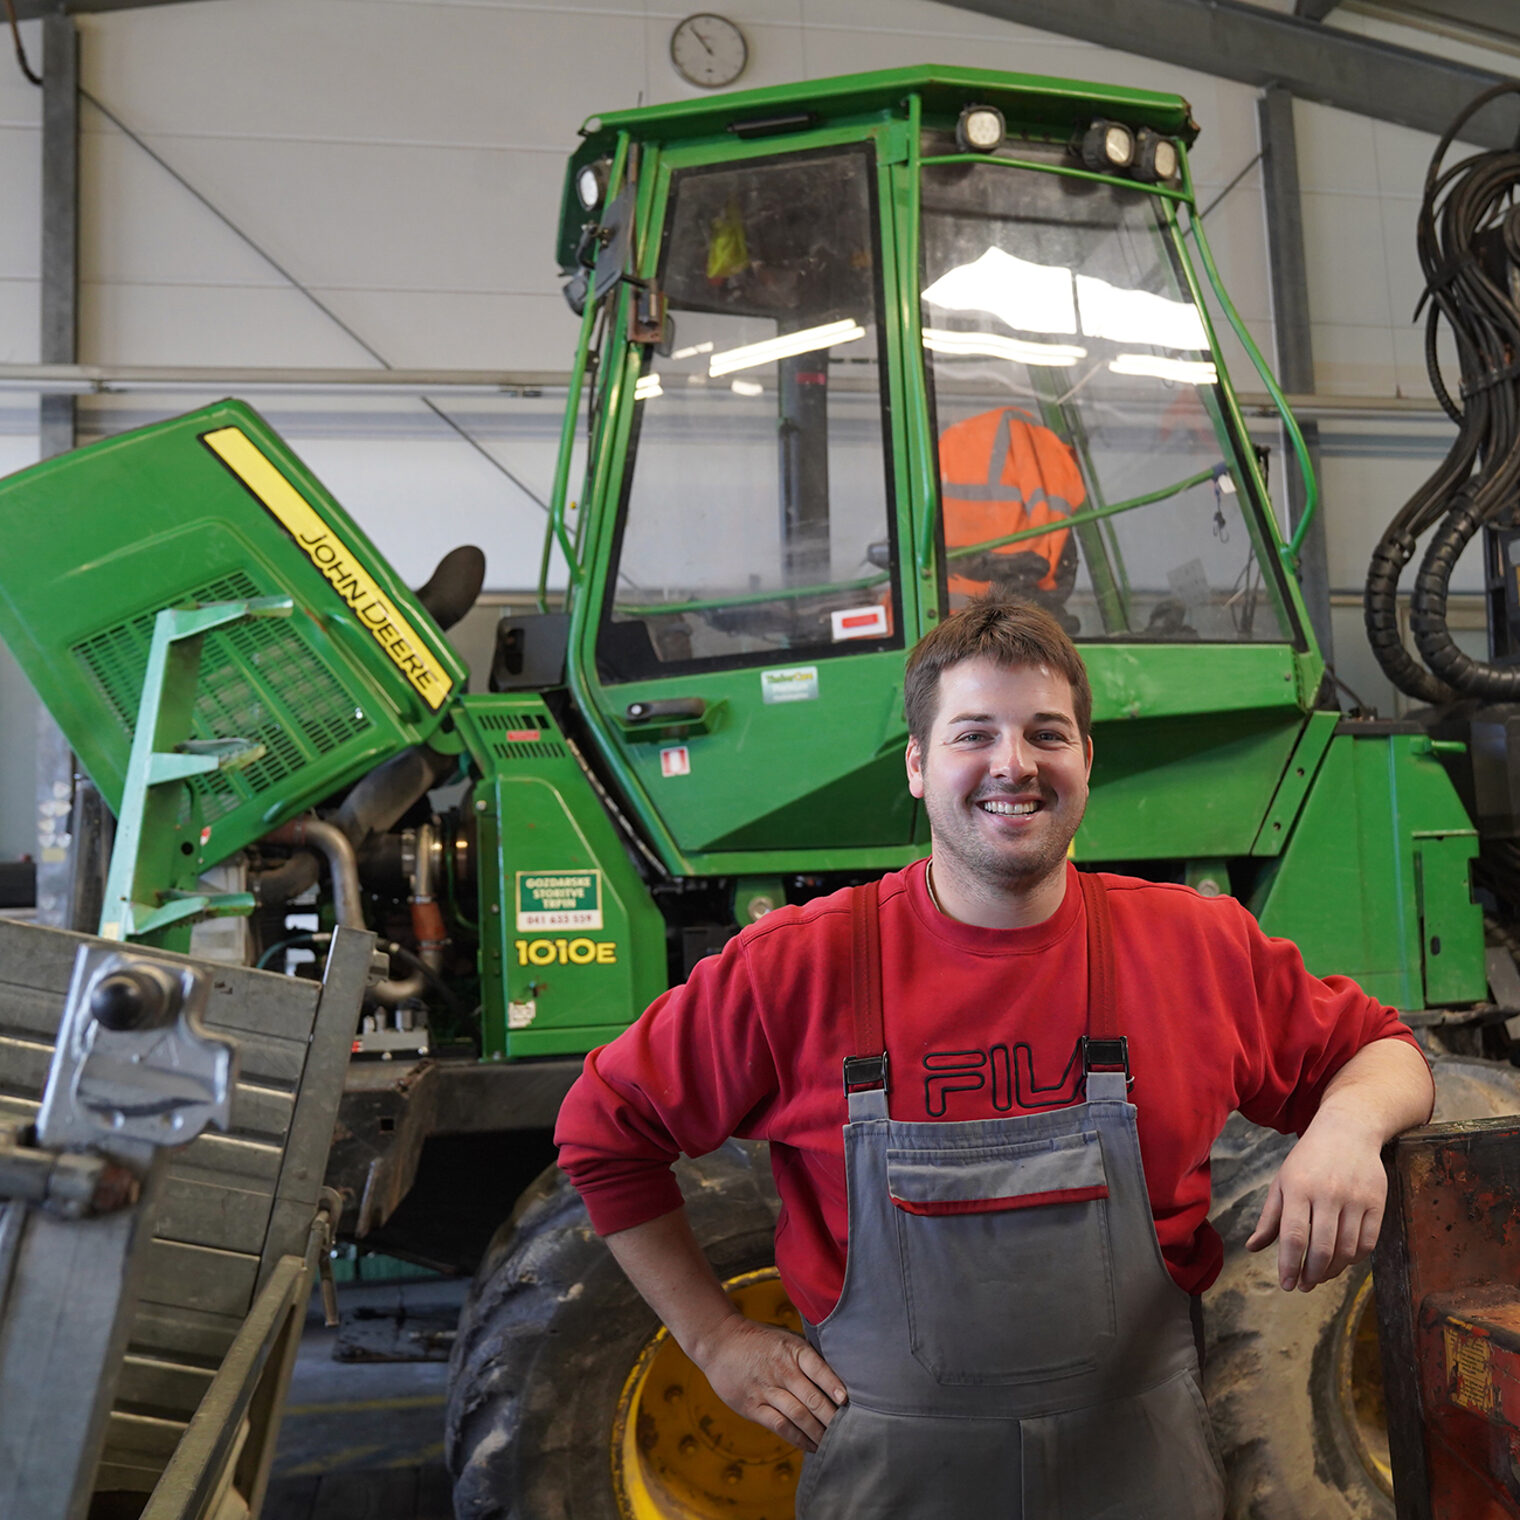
(559,899)
(800,684)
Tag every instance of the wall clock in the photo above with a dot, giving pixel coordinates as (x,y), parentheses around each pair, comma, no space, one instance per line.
(708,51)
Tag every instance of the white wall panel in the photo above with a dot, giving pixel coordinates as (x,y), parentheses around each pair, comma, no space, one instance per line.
(921,21)
(141,228)
(21,101)
(465,500)
(361,215)
(19,318)
(208,324)
(20,189)
(1401,261)
(1343,241)
(20,196)
(366,70)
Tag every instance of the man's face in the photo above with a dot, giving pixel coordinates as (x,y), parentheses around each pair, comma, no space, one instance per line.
(1003,775)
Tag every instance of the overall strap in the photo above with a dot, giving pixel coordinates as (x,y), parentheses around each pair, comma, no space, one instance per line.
(865,1072)
(1105,1052)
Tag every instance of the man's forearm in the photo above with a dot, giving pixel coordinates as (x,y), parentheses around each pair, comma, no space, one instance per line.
(1325,1205)
(662,1259)
(760,1371)
(1385,1087)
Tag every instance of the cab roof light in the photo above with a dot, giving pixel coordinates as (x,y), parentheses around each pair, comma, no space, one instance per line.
(1156,158)
(1106,146)
(591,184)
(980,129)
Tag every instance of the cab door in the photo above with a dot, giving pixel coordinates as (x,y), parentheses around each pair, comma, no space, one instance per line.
(741,647)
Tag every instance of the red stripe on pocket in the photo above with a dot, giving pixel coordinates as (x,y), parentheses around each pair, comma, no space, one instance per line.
(996,1205)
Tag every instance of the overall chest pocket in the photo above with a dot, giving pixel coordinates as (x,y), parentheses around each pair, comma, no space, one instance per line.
(1005,1257)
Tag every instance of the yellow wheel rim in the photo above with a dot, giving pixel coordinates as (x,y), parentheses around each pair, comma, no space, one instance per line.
(680,1453)
(1359,1387)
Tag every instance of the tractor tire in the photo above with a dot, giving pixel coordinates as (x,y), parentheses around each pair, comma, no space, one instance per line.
(552,1337)
(1293,1380)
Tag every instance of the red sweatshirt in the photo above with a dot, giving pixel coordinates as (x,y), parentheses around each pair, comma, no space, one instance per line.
(980,1023)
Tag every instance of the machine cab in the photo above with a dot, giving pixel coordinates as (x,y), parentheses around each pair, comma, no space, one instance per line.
(853,352)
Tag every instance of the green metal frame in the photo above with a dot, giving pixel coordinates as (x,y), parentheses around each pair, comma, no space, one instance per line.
(144,896)
(547,989)
(1131,681)
(1374,880)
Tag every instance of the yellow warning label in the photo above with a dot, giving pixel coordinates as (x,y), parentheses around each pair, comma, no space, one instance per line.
(374,610)
(1469,1374)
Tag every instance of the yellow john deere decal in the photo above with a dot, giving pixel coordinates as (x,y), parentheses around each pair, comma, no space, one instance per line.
(375,611)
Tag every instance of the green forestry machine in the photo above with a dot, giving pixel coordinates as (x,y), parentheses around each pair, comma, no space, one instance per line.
(848,351)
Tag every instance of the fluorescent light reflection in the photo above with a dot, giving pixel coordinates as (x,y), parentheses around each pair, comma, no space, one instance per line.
(647,387)
(747,388)
(1159,367)
(1138,316)
(1046,298)
(693,351)
(787,346)
(1031,297)
(1019,350)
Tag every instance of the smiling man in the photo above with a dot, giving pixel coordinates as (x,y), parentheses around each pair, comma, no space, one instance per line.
(990,1085)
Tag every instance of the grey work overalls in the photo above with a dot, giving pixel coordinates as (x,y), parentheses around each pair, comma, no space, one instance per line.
(1012,1342)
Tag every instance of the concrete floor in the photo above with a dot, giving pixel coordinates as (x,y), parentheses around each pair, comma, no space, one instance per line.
(363,1440)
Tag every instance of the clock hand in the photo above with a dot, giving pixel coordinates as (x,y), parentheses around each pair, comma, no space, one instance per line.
(703,40)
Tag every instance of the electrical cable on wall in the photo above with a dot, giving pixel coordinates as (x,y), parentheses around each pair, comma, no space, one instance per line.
(26,68)
(1469,249)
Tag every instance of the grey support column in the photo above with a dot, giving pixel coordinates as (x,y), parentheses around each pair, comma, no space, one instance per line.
(60,222)
(56,415)
(1290,321)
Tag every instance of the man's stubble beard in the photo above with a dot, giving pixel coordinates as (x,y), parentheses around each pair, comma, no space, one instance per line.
(954,836)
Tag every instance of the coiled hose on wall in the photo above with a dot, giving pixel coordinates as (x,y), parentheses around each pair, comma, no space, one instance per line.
(1466,219)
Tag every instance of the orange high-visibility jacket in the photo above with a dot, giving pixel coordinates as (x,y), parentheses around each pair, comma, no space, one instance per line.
(1000,472)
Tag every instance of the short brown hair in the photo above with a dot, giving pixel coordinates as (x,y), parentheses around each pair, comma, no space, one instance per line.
(1012,633)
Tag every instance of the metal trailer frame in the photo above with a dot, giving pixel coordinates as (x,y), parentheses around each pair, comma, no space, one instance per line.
(146,1348)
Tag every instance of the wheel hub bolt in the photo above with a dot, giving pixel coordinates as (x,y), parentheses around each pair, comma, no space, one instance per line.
(674,1392)
(732,1473)
(688,1445)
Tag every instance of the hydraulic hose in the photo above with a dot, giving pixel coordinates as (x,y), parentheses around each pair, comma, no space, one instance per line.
(1469,248)
(378,801)
(372,807)
(343,866)
(1428,619)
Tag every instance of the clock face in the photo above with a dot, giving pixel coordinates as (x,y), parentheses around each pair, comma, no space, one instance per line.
(709,51)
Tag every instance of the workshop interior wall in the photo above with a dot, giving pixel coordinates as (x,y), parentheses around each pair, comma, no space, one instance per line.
(402,160)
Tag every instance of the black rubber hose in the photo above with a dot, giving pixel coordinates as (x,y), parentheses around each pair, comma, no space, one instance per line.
(1428,620)
(1478,483)
(282,882)
(1380,611)
(454,586)
(384,796)
(373,807)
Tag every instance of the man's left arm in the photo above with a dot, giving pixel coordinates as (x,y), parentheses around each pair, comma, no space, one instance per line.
(1325,1205)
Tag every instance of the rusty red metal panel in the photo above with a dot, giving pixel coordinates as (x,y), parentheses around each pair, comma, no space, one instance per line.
(1447,1271)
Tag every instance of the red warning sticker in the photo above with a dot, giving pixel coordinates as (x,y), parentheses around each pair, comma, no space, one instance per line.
(860,623)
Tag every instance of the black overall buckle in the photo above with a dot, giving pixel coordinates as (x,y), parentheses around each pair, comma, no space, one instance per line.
(864,1072)
(1106,1055)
